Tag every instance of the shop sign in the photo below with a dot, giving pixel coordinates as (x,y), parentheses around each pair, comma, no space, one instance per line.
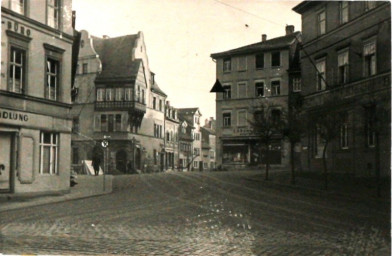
(14,116)
(243,131)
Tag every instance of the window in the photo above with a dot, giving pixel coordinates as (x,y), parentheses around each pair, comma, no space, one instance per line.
(138,94)
(119,94)
(275,59)
(343,11)
(157,131)
(167,136)
(109,94)
(196,152)
(48,153)
(275,115)
(52,79)
(369,54)
(242,118)
(143,97)
(160,105)
(370,133)
(97,123)
(85,68)
(275,88)
(118,122)
(104,124)
(242,90)
(227,65)
(320,65)
(343,67)
(242,63)
(260,60)
(296,84)
(100,93)
(75,155)
(195,164)
(344,136)
(155,156)
(197,120)
(75,125)
(17,70)
(110,123)
(227,93)
(154,102)
(197,136)
(17,6)
(370,5)
(321,23)
(53,16)
(128,94)
(226,119)
(259,86)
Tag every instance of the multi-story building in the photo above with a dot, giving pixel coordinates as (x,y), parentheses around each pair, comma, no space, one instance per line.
(192,117)
(185,144)
(35,96)
(346,60)
(118,98)
(252,76)
(171,137)
(208,147)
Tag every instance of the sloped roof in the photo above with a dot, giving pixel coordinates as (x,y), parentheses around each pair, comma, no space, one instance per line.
(274,43)
(155,88)
(187,111)
(116,56)
(208,130)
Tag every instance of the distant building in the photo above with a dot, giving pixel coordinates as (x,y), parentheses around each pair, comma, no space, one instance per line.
(185,151)
(35,96)
(192,117)
(346,57)
(171,137)
(251,76)
(118,97)
(208,143)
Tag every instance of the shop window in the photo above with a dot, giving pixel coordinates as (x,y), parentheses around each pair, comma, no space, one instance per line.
(226,64)
(235,154)
(53,13)
(260,61)
(275,88)
(275,59)
(17,70)
(48,153)
(369,54)
(52,79)
(259,87)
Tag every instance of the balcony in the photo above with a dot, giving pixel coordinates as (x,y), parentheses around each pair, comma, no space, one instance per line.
(120,105)
(348,91)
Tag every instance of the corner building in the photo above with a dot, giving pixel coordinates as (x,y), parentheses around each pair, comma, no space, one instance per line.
(251,76)
(117,96)
(346,56)
(35,96)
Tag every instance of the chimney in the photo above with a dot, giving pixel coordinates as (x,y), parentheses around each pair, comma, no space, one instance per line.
(105,37)
(289,29)
(263,37)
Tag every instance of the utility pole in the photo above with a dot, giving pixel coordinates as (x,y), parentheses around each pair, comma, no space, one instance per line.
(105,145)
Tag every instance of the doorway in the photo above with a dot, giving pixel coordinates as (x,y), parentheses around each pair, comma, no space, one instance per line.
(121,161)
(5,162)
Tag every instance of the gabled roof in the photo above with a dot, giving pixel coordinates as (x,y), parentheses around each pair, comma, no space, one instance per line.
(187,111)
(116,56)
(208,130)
(155,88)
(274,43)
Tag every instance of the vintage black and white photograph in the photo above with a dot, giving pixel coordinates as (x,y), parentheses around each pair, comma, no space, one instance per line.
(195,127)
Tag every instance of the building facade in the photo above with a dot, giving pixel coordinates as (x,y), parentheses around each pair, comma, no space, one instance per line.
(346,69)
(252,76)
(185,144)
(171,137)
(208,145)
(118,99)
(35,96)
(192,117)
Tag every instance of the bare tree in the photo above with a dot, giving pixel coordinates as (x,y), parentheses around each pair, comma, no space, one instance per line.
(268,124)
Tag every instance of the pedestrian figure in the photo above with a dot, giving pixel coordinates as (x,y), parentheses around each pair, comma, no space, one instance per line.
(96,162)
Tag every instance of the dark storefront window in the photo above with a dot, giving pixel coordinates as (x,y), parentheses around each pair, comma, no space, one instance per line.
(235,154)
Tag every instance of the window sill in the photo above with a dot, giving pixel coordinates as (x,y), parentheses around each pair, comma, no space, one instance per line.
(260,68)
(276,67)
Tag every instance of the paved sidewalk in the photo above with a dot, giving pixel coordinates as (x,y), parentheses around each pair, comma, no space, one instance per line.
(87,186)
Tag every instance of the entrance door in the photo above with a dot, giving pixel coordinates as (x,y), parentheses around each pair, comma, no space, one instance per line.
(138,159)
(121,161)
(5,162)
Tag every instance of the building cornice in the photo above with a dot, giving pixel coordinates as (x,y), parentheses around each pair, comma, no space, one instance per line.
(36,99)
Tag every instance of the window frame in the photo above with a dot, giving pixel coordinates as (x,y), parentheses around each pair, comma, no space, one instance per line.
(344,144)
(226,64)
(343,78)
(227,92)
(297,84)
(320,21)
(272,59)
(56,75)
(53,167)
(226,119)
(119,94)
(278,92)
(321,84)
(343,10)
(12,65)
(262,56)
(367,66)
(24,5)
(56,9)
(256,88)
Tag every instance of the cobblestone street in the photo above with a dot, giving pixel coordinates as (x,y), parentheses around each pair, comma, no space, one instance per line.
(221,213)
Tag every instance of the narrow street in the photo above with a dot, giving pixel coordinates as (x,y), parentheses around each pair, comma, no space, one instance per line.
(198,213)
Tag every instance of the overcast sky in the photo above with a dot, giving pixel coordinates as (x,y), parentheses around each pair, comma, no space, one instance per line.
(180,35)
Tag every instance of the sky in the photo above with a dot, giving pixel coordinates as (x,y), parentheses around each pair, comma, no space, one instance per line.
(180,36)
